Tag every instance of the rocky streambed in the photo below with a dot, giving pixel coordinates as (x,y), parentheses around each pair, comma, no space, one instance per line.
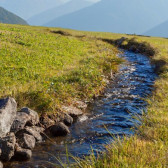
(21,130)
(50,137)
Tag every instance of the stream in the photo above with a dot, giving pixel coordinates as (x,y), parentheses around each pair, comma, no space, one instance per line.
(110,115)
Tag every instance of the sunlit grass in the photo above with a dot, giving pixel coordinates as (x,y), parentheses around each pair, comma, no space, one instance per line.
(44,70)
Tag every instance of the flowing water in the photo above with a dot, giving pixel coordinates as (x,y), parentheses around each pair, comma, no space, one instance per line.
(110,115)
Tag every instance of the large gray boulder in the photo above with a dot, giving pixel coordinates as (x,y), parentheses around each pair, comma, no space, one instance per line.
(33,114)
(8,109)
(20,121)
(26,141)
(59,129)
(7,146)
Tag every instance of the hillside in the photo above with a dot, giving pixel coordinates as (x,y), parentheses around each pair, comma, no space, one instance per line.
(159,31)
(116,16)
(10,18)
(29,8)
(50,69)
(56,12)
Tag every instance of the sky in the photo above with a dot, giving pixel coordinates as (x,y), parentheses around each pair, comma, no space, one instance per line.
(27,9)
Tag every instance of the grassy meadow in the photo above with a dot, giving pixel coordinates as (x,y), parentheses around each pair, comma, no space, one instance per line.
(44,70)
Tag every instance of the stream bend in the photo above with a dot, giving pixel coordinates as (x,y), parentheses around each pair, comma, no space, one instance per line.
(124,98)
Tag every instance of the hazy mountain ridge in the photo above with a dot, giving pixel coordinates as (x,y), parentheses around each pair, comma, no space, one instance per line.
(29,8)
(159,31)
(116,16)
(10,18)
(56,12)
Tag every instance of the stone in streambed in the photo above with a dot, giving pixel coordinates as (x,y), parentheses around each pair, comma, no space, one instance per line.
(72,111)
(34,115)
(8,108)
(38,129)
(82,118)
(33,131)
(26,141)
(59,129)
(80,104)
(7,146)
(20,121)
(22,154)
(67,119)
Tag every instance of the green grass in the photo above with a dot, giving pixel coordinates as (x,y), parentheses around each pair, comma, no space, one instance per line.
(44,70)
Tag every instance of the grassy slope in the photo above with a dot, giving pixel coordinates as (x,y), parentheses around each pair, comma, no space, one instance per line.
(149,147)
(44,70)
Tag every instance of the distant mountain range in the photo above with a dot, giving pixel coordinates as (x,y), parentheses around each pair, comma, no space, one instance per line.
(118,16)
(159,31)
(29,8)
(10,18)
(51,14)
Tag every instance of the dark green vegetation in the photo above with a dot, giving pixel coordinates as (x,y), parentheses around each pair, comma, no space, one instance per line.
(8,17)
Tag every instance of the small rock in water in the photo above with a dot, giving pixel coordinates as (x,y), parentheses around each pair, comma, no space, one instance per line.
(8,108)
(68,120)
(26,141)
(20,121)
(72,111)
(34,115)
(82,118)
(22,154)
(7,146)
(59,129)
